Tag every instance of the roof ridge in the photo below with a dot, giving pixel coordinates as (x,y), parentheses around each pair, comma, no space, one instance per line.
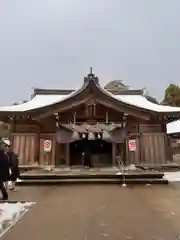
(42,91)
(126,92)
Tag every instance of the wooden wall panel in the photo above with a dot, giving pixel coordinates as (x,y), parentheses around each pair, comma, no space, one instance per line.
(169,150)
(26,128)
(150,128)
(47,158)
(60,154)
(132,127)
(153,149)
(27,150)
(24,147)
(48,125)
(16,146)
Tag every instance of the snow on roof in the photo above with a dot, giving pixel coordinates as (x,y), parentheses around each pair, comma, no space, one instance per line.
(42,100)
(45,100)
(173,127)
(141,102)
(37,102)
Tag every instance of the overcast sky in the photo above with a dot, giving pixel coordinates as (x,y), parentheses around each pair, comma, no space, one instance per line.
(52,44)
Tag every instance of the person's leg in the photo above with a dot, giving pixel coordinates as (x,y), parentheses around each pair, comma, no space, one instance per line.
(4,191)
(6,185)
(90,164)
(89,161)
(13,186)
(85,161)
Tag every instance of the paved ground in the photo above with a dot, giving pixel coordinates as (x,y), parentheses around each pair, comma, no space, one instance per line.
(99,212)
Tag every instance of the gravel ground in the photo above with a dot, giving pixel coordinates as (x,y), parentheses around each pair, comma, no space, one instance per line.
(99,212)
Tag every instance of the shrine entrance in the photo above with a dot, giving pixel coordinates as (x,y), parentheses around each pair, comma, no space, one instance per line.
(95,143)
(99,151)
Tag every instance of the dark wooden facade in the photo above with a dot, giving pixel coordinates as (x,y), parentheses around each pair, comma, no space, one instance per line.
(27,141)
(30,129)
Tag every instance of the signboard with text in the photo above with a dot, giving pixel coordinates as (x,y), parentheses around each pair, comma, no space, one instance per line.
(132,145)
(47,145)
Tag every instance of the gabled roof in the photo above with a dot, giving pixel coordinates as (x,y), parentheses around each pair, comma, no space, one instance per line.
(45,98)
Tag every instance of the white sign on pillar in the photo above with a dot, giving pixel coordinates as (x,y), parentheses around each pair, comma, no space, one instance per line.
(132,145)
(47,145)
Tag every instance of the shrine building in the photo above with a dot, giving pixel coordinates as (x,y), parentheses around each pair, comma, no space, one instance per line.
(55,126)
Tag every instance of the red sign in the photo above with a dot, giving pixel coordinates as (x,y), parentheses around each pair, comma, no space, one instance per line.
(132,145)
(47,145)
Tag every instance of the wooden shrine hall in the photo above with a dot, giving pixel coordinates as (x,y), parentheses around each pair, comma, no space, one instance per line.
(57,127)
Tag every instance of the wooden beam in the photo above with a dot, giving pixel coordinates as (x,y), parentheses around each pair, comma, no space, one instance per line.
(59,109)
(124,109)
(24,134)
(120,109)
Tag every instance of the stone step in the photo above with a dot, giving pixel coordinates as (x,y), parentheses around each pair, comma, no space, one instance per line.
(91,181)
(89,175)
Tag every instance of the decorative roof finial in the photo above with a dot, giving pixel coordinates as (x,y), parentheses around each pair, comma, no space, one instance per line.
(91,77)
(91,70)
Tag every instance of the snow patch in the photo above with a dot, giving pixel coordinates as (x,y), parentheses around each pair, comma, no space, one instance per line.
(131,167)
(119,173)
(19,180)
(124,185)
(10,213)
(172,176)
(48,169)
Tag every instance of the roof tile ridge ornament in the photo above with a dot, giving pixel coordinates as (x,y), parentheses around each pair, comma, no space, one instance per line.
(91,78)
(125,92)
(43,91)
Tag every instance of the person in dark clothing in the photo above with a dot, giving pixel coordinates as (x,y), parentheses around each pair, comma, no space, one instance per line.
(87,157)
(14,167)
(4,172)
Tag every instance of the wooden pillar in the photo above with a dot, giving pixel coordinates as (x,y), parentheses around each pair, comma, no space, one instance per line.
(38,145)
(113,154)
(140,149)
(127,151)
(12,130)
(57,153)
(67,154)
(168,149)
(53,156)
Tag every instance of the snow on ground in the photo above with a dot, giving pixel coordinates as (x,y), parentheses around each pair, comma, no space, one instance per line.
(131,167)
(172,176)
(119,173)
(10,213)
(19,180)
